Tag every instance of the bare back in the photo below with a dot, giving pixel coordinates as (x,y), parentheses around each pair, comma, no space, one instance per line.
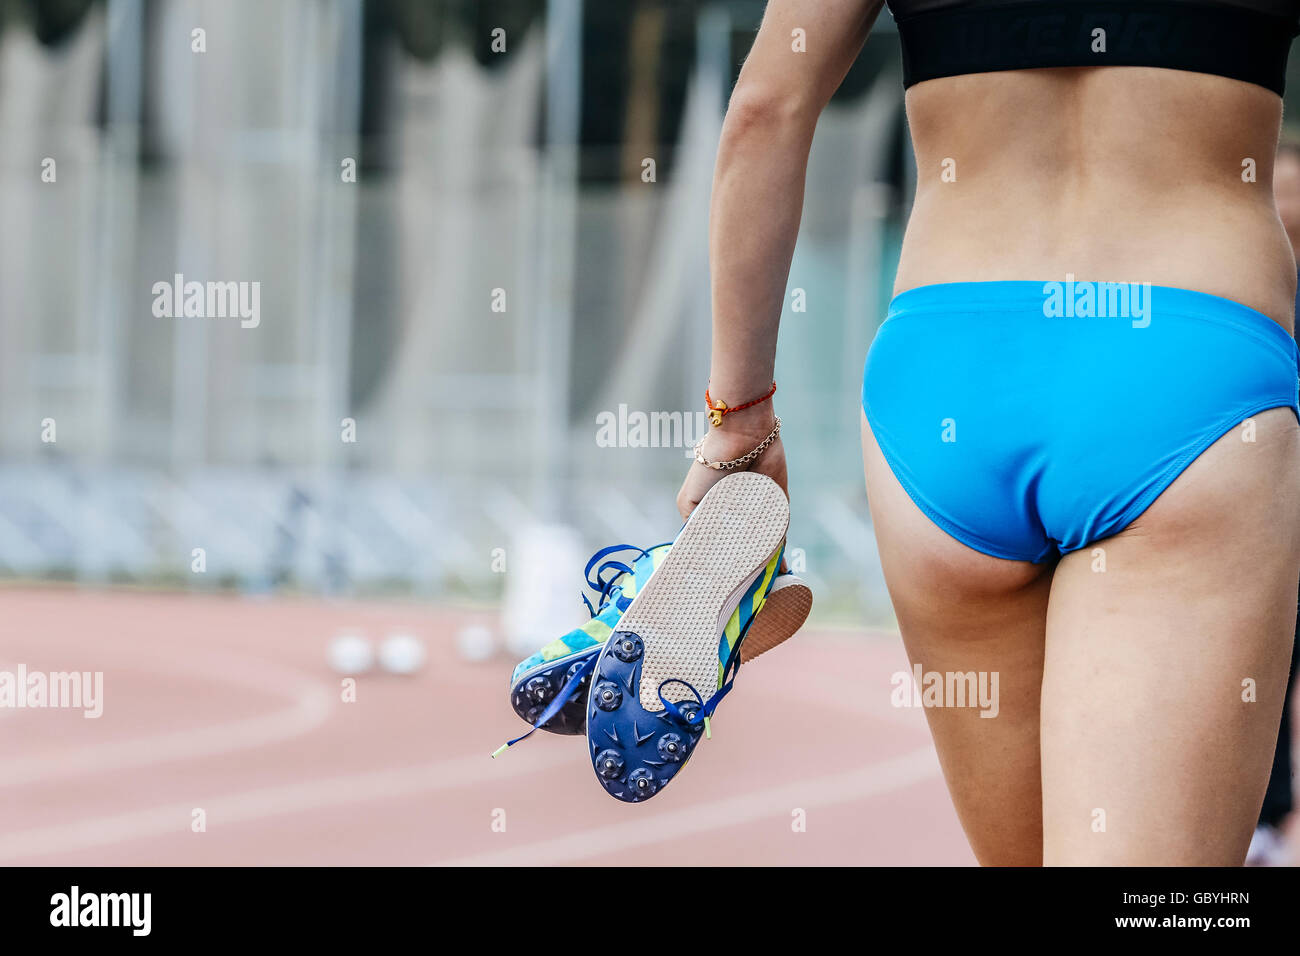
(1116,173)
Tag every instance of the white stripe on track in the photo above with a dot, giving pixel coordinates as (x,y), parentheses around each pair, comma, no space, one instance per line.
(313,703)
(241,807)
(875,779)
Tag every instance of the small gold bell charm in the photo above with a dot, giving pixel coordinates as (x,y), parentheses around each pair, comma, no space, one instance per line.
(715,413)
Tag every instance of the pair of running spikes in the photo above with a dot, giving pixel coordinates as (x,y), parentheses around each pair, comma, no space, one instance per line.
(643,677)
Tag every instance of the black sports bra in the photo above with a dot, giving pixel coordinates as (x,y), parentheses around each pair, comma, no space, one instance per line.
(1243,39)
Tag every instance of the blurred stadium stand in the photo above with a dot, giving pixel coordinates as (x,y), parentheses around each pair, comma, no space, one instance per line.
(477,171)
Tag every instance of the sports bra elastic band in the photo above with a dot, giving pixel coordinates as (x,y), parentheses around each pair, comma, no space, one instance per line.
(1224,39)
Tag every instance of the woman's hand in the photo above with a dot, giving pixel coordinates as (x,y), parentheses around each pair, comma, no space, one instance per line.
(738,435)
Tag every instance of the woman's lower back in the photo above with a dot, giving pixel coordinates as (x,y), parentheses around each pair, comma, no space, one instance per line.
(1119,173)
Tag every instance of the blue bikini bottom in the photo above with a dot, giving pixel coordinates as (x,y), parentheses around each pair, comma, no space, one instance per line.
(1031,418)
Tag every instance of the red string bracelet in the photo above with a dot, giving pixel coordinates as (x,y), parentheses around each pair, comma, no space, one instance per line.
(720,408)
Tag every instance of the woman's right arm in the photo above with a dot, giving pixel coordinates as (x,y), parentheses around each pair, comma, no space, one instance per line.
(799,58)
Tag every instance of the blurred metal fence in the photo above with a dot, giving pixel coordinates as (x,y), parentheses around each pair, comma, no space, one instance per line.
(439,343)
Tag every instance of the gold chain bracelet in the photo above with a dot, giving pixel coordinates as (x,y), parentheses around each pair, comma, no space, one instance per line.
(743,459)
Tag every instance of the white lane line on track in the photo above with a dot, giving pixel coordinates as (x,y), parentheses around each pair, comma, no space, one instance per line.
(875,779)
(239,807)
(312,704)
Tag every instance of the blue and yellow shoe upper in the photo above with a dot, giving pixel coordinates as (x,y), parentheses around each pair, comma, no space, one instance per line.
(750,604)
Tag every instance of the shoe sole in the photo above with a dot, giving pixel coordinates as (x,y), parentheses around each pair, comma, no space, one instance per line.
(786,609)
(784,612)
(535,688)
(671,631)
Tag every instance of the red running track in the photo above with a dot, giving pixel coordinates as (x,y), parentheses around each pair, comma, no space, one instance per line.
(224,705)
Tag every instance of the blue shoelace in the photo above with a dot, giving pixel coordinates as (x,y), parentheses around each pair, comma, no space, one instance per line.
(608,587)
(704,708)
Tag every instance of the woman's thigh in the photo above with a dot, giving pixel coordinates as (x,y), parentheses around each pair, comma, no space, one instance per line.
(1166,660)
(960,612)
